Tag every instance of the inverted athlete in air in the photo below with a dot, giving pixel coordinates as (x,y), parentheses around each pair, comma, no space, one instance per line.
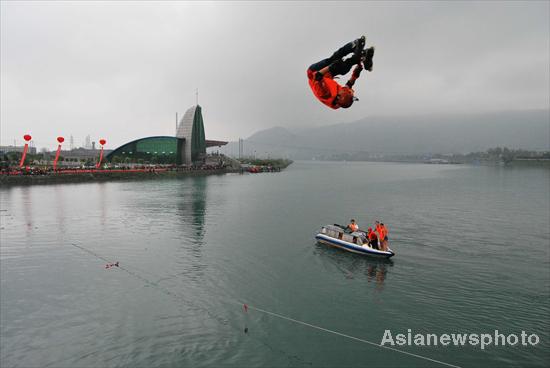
(321,75)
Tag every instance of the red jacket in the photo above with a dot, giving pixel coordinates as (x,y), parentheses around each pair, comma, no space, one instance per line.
(372,236)
(325,90)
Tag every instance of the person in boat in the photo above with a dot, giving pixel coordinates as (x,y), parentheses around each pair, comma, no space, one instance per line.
(385,230)
(380,232)
(321,75)
(353,226)
(383,236)
(373,239)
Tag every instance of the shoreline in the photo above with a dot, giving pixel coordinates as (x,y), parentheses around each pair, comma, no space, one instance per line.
(104,176)
(543,163)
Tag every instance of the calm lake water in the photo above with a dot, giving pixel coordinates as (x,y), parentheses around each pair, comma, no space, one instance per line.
(472,248)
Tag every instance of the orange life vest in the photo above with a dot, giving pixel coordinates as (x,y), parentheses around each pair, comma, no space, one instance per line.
(380,231)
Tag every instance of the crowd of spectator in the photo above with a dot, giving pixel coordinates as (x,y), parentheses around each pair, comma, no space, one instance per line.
(49,170)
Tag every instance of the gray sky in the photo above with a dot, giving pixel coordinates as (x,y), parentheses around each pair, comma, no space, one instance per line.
(121,70)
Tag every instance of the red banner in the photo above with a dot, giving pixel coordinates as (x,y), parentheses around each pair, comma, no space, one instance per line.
(100,158)
(56,157)
(24,155)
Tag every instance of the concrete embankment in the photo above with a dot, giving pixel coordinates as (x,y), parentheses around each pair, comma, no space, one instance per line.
(105,175)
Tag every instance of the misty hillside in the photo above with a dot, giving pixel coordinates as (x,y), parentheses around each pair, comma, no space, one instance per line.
(406,135)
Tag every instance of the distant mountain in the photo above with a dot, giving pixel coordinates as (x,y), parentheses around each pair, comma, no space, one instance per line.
(462,133)
(276,134)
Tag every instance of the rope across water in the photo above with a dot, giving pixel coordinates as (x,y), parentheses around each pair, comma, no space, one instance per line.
(251,307)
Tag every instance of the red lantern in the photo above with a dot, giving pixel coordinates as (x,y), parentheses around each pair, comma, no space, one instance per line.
(27,137)
(102,141)
(60,139)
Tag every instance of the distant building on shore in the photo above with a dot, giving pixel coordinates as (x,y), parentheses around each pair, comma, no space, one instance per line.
(188,146)
(82,153)
(7,149)
(75,153)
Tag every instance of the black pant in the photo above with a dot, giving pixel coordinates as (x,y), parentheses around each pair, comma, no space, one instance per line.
(338,66)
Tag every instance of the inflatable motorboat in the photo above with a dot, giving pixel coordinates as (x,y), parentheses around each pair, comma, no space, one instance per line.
(355,242)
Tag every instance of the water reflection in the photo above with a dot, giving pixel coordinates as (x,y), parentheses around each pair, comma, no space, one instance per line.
(103,203)
(60,208)
(191,211)
(353,266)
(191,206)
(26,197)
(377,272)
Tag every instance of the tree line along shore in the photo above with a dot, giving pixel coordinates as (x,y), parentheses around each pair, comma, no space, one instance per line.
(494,156)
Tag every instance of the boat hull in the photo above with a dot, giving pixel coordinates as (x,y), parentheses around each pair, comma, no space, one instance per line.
(354,248)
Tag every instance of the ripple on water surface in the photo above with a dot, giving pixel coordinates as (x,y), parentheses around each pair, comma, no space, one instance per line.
(472,249)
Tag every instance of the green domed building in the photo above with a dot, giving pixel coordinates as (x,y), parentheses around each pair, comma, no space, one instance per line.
(187,147)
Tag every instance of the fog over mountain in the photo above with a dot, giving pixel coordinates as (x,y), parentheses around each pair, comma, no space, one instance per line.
(453,133)
(120,70)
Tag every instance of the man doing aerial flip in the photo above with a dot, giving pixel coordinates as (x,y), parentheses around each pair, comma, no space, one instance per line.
(321,75)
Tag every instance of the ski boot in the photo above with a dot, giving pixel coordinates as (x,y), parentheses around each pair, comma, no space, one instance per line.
(367,56)
(358,45)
